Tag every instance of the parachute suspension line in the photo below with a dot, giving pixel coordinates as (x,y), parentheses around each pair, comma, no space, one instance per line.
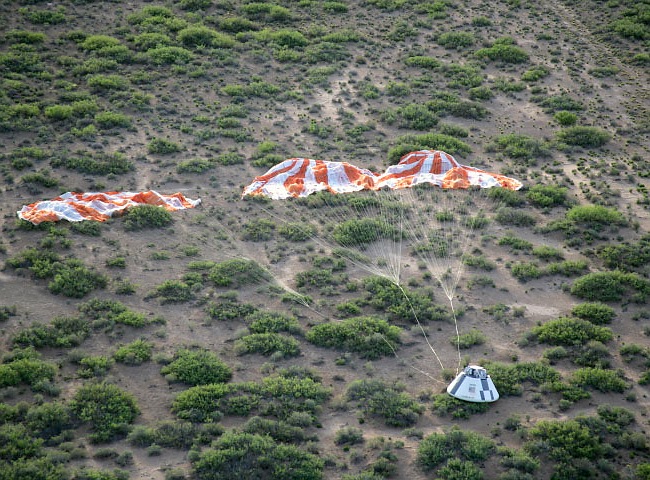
(411,365)
(420,325)
(453,313)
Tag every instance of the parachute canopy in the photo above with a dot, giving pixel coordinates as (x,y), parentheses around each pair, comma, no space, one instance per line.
(300,177)
(99,206)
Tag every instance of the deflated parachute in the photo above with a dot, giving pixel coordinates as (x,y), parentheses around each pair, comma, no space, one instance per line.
(99,206)
(299,177)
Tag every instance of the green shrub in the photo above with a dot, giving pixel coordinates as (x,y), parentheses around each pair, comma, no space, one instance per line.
(195,165)
(244,455)
(268,344)
(371,337)
(586,137)
(237,273)
(96,164)
(112,120)
(519,147)
(565,118)
(297,232)
(279,395)
(437,448)
(566,440)
(515,243)
(228,310)
(560,102)
(201,36)
(444,404)
(571,331)
(174,291)
(596,312)
(427,141)
(595,215)
(610,286)
(147,216)
(259,230)
(508,378)
(469,339)
(524,271)
(456,40)
(75,280)
(422,61)
(534,74)
(62,332)
(134,353)
(94,366)
(547,196)
(163,146)
(166,55)
(602,380)
(503,51)
(106,407)
(196,367)
(375,397)
(626,256)
(348,436)
(170,434)
(98,42)
(272,322)
(107,82)
(360,233)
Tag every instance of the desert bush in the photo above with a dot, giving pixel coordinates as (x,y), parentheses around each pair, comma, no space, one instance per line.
(626,256)
(174,291)
(515,217)
(195,165)
(479,261)
(268,344)
(44,17)
(595,215)
(196,367)
(48,419)
(437,448)
(413,116)
(245,455)
(560,102)
(25,368)
(508,378)
(371,337)
(163,146)
(571,331)
(107,82)
(389,402)
(444,405)
(171,434)
(112,120)
(228,310)
(610,286)
(348,436)
(272,322)
(360,233)
(278,430)
(565,440)
(236,273)
(594,312)
(547,196)
(544,252)
(503,50)
(106,407)
(279,395)
(75,280)
(96,164)
(515,243)
(259,230)
(169,55)
(201,36)
(456,40)
(519,147)
(147,216)
(62,332)
(535,73)
(469,339)
(98,42)
(586,137)
(565,118)
(480,93)
(426,141)
(423,61)
(134,353)
(97,366)
(599,379)
(297,232)
(524,271)
(148,40)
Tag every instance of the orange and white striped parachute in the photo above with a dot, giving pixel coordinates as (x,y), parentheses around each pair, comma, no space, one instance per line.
(99,206)
(299,177)
(441,169)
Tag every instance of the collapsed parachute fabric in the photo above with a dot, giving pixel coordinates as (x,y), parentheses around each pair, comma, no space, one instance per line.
(439,168)
(99,206)
(300,177)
